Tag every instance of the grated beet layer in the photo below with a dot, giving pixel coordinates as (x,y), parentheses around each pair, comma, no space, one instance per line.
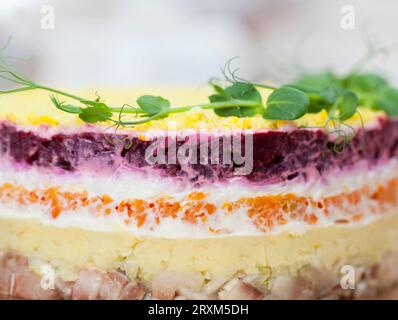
(277,156)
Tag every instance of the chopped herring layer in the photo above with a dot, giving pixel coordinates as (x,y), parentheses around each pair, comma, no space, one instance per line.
(18,281)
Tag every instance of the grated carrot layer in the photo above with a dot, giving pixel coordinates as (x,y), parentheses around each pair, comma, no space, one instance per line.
(265,212)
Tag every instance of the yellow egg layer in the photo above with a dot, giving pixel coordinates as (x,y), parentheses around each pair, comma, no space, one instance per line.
(71,249)
(35,108)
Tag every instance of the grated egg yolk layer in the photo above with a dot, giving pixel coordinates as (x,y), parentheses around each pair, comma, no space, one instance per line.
(35,108)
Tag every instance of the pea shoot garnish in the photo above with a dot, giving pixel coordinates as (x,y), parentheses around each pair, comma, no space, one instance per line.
(233,96)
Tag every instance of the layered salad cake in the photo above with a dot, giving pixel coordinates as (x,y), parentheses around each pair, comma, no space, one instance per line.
(292,203)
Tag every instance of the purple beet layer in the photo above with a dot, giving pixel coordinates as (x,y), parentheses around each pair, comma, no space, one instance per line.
(278,156)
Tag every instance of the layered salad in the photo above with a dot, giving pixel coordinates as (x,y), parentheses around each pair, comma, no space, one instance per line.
(224,200)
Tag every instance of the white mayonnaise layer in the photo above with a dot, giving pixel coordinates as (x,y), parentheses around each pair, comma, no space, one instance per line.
(134,185)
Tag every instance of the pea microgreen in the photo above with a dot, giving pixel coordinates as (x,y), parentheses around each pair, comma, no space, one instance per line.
(286,103)
(340,96)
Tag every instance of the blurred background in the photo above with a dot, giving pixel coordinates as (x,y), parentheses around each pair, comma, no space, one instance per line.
(173,42)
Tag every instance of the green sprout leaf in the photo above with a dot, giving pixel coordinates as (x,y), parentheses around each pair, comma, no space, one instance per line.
(65,107)
(244,91)
(366,82)
(241,91)
(95,113)
(322,89)
(92,103)
(286,103)
(220,91)
(316,82)
(323,100)
(317,106)
(347,105)
(153,104)
(387,101)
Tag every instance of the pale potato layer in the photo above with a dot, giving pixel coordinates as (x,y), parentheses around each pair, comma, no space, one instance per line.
(71,249)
